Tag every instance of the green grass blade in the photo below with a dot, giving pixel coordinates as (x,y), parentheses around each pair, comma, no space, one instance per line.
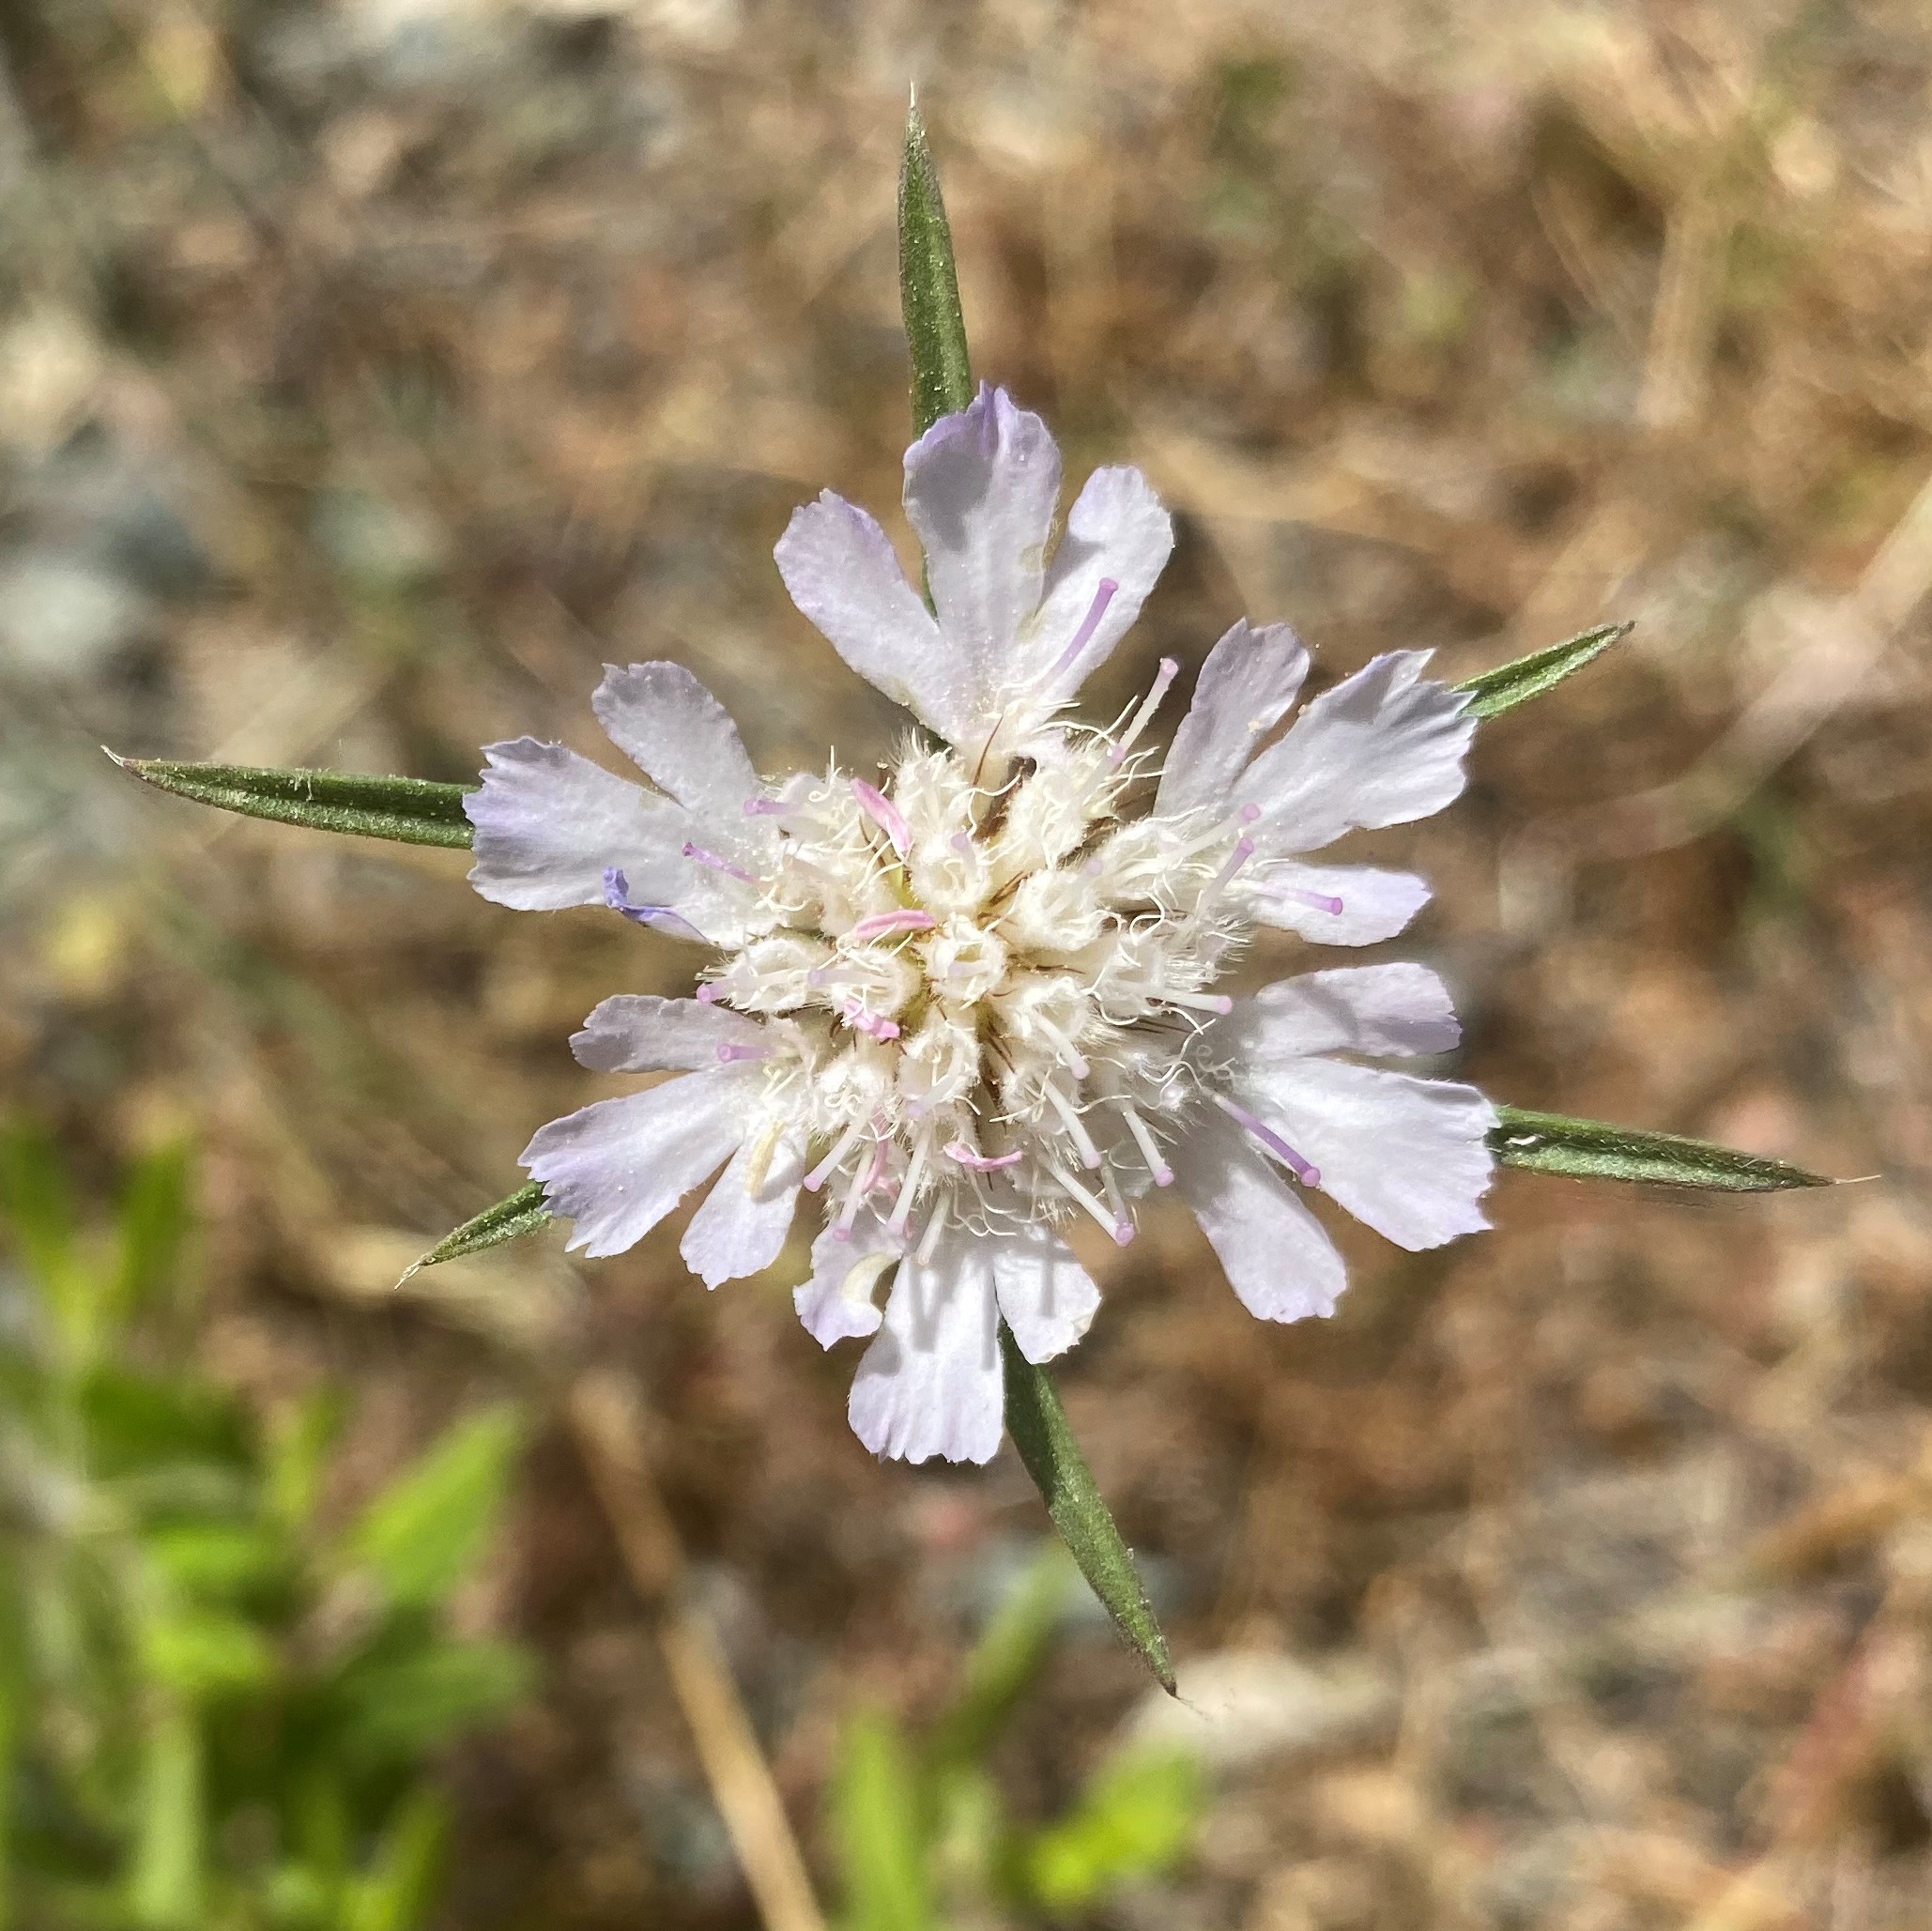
(878,1829)
(930,288)
(1039,1426)
(164,1887)
(409,811)
(1592,1150)
(1510,684)
(524,1212)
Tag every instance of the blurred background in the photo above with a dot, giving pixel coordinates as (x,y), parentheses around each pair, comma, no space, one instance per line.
(370,372)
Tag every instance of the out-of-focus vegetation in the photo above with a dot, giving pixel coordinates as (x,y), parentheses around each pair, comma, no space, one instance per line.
(215,1711)
(922,1832)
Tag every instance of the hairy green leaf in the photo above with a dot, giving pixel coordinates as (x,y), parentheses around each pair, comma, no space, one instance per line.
(524,1212)
(930,288)
(1510,684)
(1592,1150)
(1039,1426)
(409,811)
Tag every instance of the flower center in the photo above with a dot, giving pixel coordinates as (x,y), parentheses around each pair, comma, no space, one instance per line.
(985,1002)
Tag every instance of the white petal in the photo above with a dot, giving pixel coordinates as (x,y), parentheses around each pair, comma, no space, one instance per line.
(683,739)
(1374,904)
(1405,1155)
(1399,1008)
(1047,1297)
(619,1167)
(1116,532)
(742,1225)
(1245,688)
(931,1383)
(981,487)
(1383,747)
(639,1032)
(836,1303)
(549,823)
(1275,1253)
(844,574)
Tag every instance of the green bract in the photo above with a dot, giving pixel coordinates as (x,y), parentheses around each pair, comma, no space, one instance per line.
(409,811)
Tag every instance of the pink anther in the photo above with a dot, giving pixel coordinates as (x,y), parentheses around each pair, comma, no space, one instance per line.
(885,814)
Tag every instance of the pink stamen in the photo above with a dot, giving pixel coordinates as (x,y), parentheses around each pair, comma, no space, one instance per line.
(824,1170)
(1089,624)
(979,1162)
(962,843)
(856,1016)
(1244,850)
(719,864)
(1248,813)
(876,1172)
(1197,1002)
(1122,1233)
(885,814)
(1320,901)
(1170,669)
(881,923)
(708,994)
(766,808)
(1308,1175)
(728,1055)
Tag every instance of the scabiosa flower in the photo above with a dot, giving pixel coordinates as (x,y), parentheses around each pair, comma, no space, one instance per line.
(970,999)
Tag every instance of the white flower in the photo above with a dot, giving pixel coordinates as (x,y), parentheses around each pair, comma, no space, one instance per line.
(972,1000)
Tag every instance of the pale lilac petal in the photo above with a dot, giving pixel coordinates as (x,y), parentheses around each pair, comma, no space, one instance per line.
(844,574)
(619,1167)
(742,1226)
(1335,904)
(931,1383)
(1406,1155)
(660,716)
(1276,1257)
(549,824)
(1383,747)
(1118,533)
(981,487)
(836,1303)
(1245,688)
(639,1032)
(1381,1010)
(1047,1297)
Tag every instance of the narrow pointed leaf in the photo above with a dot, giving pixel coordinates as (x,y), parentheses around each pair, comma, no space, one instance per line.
(930,288)
(1592,1150)
(524,1212)
(1510,684)
(409,811)
(1039,1426)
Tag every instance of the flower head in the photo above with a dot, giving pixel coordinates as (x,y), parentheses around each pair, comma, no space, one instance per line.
(971,999)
